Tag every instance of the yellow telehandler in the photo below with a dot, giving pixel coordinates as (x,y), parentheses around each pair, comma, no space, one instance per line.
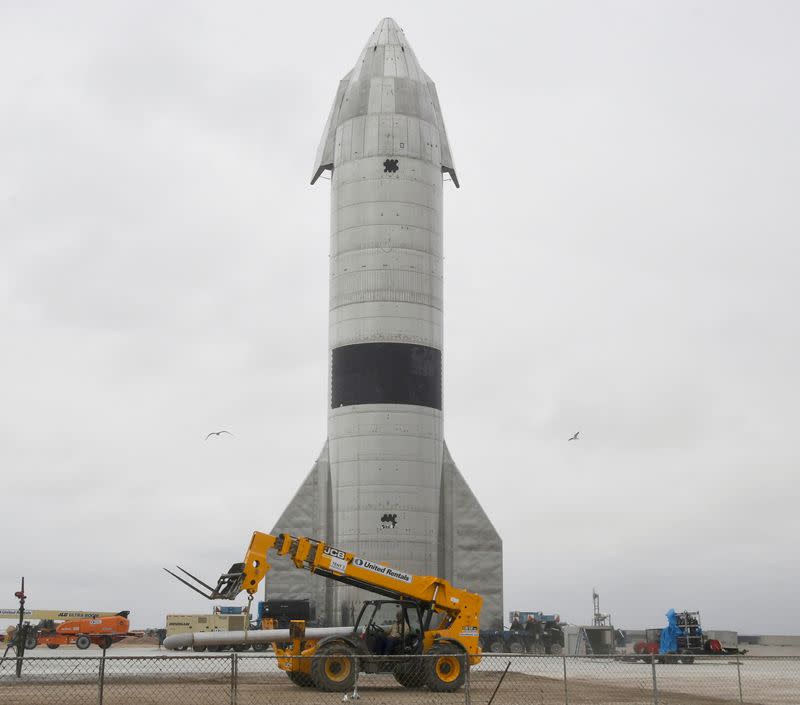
(422,615)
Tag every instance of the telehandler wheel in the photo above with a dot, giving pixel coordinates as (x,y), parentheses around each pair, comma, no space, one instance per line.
(445,668)
(411,675)
(83,642)
(105,642)
(301,679)
(53,646)
(334,668)
(31,643)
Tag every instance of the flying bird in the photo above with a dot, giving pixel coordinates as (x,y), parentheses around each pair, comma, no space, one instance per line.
(217,433)
(575,437)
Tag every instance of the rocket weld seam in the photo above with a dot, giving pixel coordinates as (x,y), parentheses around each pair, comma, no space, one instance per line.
(341,182)
(387,408)
(393,316)
(389,114)
(393,434)
(375,225)
(382,249)
(432,186)
(366,270)
(373,299)
(389,204)
(358,483)
(362,484)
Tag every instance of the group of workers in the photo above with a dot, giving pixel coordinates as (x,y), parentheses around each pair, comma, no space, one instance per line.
(530,625)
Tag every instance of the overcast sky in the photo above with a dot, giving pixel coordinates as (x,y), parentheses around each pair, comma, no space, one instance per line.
(622,259)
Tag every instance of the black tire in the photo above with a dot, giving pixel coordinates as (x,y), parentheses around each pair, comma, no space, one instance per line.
(214,648)
(241,647)
(410,675)
(105,642)
(333,668)
(31,642)
(686,657)
(445,668)
(181,648)
(497,646)
(555,649)
(536,647)
(199,648)
(260,647)
(83,642)
(515,646)
(53,646)
(301,679)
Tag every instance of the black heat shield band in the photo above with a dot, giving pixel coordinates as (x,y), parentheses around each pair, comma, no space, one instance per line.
(386,373)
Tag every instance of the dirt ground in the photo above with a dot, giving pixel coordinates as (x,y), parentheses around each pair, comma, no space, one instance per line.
(137,641)
(265,689)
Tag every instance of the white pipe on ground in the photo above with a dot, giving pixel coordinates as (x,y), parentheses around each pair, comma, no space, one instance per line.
(253,636)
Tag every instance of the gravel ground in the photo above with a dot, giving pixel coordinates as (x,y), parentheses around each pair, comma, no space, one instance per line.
(200,679)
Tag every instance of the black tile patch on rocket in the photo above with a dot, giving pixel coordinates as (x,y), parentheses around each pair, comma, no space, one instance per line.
(387,520)
(390,166)
(386,373)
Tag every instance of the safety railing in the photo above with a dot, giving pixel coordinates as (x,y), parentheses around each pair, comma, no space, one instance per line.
(499,679)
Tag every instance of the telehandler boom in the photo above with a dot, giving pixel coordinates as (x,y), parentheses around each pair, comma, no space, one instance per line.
(423,615)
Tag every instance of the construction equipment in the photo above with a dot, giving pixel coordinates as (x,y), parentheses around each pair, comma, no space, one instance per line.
(680,641)
(216,622)
(277,614)
(56,615)
(530,632)
(431,616)
(599,619)
(83,632)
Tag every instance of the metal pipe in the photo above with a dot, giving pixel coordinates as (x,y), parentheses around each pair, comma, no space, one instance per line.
(499,683)
(253,636)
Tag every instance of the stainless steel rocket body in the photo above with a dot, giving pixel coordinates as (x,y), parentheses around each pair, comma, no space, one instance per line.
(384,486)
(385,416)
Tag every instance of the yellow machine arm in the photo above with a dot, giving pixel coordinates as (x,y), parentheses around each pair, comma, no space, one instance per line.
(461,607)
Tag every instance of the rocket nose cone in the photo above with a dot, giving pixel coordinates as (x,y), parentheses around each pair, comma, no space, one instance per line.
(387,32)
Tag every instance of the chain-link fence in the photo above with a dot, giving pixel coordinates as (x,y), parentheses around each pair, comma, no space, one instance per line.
(245,679)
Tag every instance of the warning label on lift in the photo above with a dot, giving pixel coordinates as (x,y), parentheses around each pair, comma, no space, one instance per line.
(382,570)
(338,565)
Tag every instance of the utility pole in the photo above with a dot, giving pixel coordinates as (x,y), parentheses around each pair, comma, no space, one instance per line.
(21,634)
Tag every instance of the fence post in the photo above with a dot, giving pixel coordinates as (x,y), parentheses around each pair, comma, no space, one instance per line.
(655,684)
(101,676)
(739,676)
(234,677)
(566,694)
(467,694)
